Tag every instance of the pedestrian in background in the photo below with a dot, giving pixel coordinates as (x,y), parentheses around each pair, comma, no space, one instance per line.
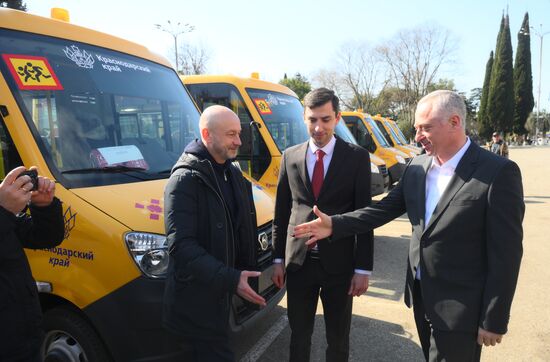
(498,145)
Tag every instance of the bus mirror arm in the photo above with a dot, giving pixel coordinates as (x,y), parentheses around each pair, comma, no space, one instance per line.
(369,143)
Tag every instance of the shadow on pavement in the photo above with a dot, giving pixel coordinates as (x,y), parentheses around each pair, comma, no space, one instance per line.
(370,340)
(534,202)
(390,263)
(537,197)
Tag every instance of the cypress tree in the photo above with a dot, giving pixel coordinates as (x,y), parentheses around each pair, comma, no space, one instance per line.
(523,79)
(500,103)
(485,129)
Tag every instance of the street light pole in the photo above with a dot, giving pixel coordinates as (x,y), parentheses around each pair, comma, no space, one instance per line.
(541,35)
(176,30)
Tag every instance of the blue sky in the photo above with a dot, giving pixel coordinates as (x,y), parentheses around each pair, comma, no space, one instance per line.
(304,36)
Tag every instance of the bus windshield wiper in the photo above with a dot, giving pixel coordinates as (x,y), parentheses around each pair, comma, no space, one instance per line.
(106,169)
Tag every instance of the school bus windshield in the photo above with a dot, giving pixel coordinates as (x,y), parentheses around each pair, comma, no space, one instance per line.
(283,115)
(377,132)
(397,132)
(394,135)
(99,116)
(344,133)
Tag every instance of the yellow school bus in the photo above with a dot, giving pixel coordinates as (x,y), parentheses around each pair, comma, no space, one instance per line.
(397,131)
(367,134)
(380,178)
(393,139)
(106,119)
(271,117)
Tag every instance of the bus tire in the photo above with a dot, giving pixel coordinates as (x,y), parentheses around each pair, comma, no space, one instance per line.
(69,337)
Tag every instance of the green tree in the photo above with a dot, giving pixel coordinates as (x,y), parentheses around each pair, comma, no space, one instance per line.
(544,122)
(523,79)
(14,4)
(442,83)
(500,104)
(472,104)
(299,84)
(485,128)
(389,101)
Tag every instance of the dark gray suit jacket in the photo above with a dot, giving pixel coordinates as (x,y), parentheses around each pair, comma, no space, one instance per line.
(470,251)
(346,187)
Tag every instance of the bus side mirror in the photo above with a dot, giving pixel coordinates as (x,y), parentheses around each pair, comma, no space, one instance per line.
(369,143)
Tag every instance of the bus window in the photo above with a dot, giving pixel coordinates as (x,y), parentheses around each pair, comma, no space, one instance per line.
(253,157)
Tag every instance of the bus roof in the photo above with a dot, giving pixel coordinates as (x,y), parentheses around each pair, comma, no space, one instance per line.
(22,21)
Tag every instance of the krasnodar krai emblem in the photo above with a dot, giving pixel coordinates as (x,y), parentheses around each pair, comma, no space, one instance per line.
(81,57)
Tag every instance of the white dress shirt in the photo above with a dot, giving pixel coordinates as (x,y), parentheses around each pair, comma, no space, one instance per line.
(311,157)
(437,180)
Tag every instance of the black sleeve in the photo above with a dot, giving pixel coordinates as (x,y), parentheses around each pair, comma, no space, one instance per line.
(43,228)
(8,221)
(504,229)
(182,230)
(370,217)
(283,205)
(364,254)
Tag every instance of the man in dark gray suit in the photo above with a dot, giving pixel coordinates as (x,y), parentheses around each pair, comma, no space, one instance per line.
(336,175)
(466,208)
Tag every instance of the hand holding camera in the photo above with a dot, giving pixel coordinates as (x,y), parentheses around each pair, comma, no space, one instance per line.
(33,174)
(22,187)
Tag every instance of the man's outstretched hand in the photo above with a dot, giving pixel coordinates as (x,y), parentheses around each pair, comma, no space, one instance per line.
(315,230)
(245,291)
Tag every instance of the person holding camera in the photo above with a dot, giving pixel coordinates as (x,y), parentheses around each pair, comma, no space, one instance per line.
(20,311)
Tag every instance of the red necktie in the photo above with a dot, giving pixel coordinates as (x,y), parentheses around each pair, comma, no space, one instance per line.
(318,173)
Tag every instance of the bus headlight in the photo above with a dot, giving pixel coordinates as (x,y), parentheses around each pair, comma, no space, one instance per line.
(150,252)
(400,159)
(374,168)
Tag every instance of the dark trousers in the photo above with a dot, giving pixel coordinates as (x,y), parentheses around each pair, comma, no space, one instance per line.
(439,345)
(215,350)
(304,287)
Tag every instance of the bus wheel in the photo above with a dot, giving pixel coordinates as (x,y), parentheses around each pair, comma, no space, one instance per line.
(70,338)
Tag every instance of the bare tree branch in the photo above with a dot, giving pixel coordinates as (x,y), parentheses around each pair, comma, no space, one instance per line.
(193,59)
(414,58)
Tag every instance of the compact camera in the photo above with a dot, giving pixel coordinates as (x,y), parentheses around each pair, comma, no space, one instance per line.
(33,174)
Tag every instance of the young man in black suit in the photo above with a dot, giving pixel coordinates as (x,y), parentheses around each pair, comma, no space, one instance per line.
(329,172)
(466,208)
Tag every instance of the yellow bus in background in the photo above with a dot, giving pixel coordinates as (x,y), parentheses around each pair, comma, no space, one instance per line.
(393,139)
(106,119)
(367,134)
(380,178)
(271,118)
(401,136)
